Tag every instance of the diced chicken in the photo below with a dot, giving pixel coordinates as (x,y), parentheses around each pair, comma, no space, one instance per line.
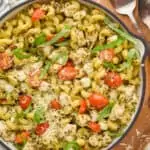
(44,86)
(94,115)
(69,130)
(113,95)
(86,82)
(94,140)
(20,75)
(6,86)
(82,120)
(3,127)
(117,112)
(127,90)
(88,68)
(103,125)
(64,99)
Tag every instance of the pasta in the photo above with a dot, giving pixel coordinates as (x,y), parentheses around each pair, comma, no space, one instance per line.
(67,79)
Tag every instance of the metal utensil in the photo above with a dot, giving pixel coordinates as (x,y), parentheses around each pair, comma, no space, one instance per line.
(126,7)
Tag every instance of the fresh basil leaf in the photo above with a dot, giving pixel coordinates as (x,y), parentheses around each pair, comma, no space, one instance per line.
(40,39)
(123,34)
(39,115)
(45,70)
(61,44)
(112,44)
(72,146)
(105,112)
(20,54)
(60,57)
(58,36)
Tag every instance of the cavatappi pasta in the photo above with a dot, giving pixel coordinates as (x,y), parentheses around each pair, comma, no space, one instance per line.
(68,78)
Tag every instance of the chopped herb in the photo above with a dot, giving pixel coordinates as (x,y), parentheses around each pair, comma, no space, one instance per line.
(40,39)
(71,146)
(45,70)
(112,44)
(58,36)
(60,57)
(104,113)
(39,115)
(120,32)
(20,54)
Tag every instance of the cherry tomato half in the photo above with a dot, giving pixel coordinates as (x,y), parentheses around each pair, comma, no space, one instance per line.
(24,101)
(55,104)
(5,61)
(38,14)
(113,79)
(83,107)
(67,72)
(22,137)
(97,100)
(95,127)
(107,55)
(41,128)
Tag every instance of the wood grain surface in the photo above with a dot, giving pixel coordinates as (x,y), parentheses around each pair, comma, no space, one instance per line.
(138,137)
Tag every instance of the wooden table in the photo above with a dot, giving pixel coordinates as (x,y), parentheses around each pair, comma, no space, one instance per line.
(138,137)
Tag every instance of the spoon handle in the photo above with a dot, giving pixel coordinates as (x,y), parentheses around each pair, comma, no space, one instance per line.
(132,18)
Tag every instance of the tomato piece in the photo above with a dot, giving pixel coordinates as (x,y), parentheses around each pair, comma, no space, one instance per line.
(95,127)
(22,137)
(113,79)
(61,39)
(24,101)
(5,61)
(69,63)
(34,78)
(41,128)
(67,72)
(83,107)
(3,101)
(55,104)
(98,101)
(38,14)
(49,37)
(107,55)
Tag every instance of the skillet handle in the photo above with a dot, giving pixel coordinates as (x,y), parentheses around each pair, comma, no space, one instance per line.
(148,49)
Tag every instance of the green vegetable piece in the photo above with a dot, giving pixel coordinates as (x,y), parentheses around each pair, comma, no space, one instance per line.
(39,115)
(109,65)
(61,44)
(123,34)
(20,54)
(60,57)
(45,70)
(40,39)
(104,113)
(56,38)
(115,134)
(132,54)
(71,146)
(112,44)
